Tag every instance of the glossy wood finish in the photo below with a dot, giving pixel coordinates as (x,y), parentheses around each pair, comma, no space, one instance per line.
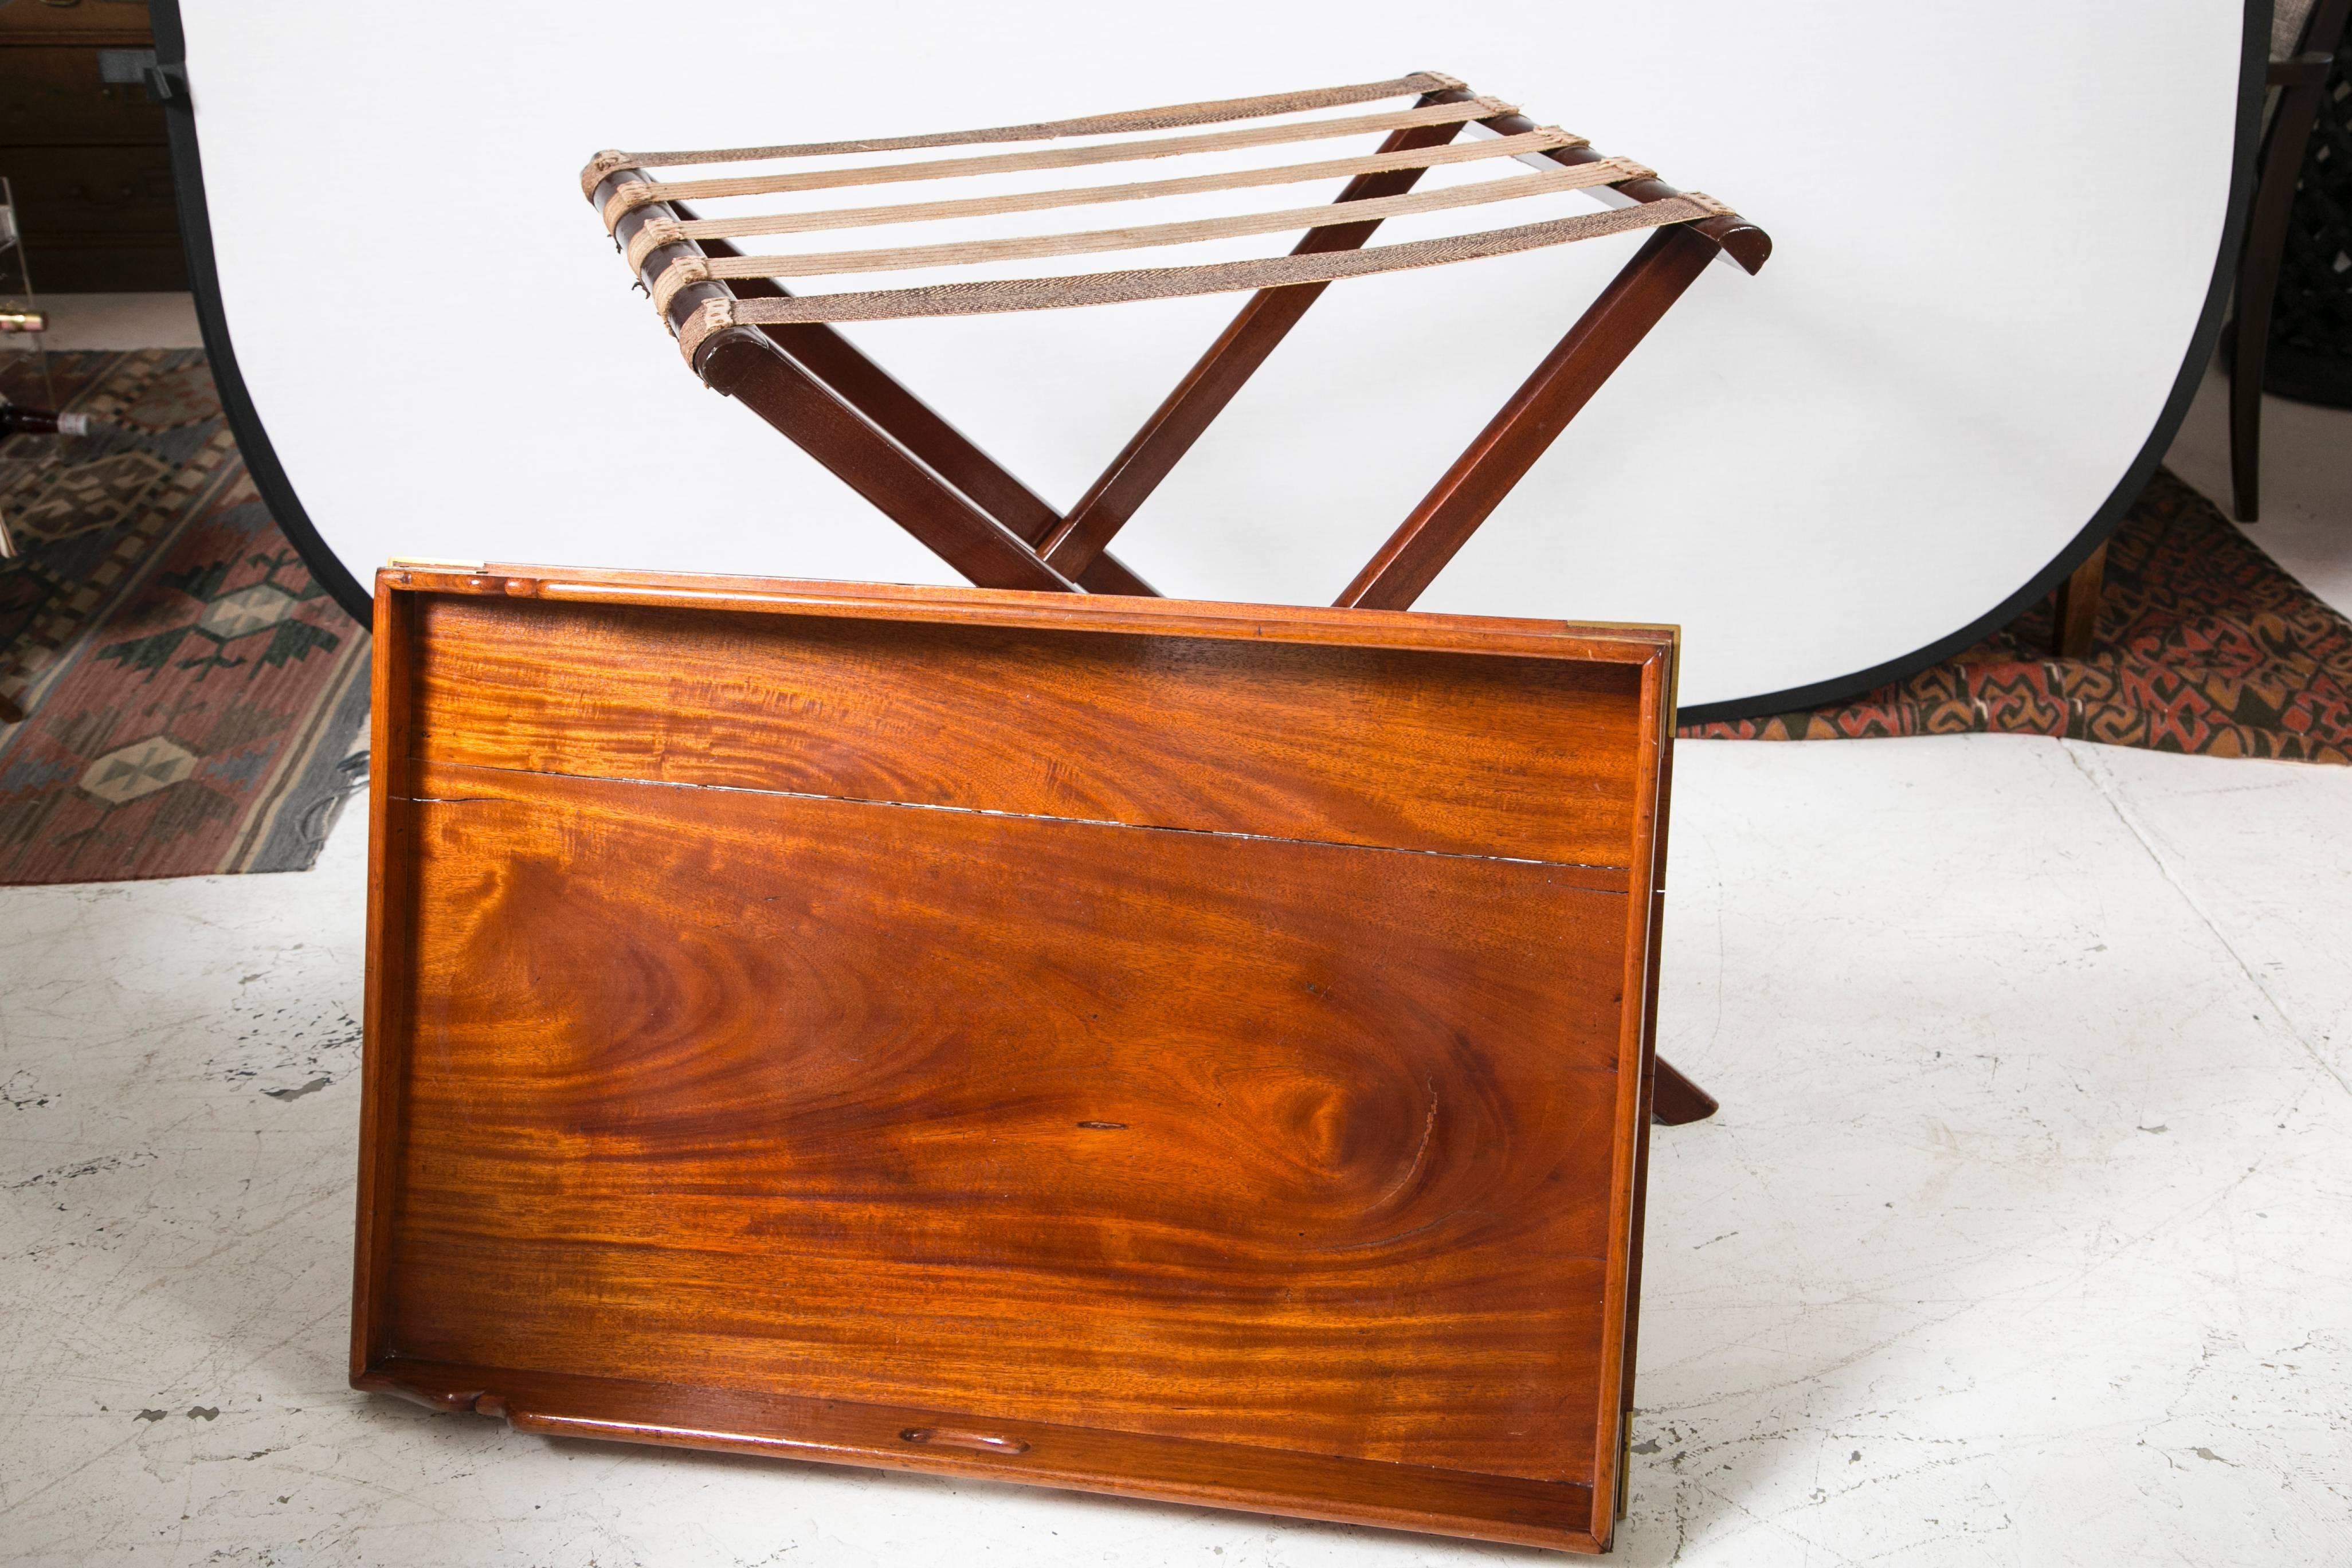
(1292,741)
(745,364)
(1197,1051)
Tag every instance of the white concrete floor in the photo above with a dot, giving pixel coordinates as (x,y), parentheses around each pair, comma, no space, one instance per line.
(2024,1236)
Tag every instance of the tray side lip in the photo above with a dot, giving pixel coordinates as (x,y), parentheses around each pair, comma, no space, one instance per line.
(571,1404)
(1415,630)
(1655,737)
(384,1024)
(1647,1068)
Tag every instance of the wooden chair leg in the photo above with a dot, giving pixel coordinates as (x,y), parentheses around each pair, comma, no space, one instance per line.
(9,712)
(2301,82)
(1212,383)
(744,364)
(907,419)
(1675,1101)
(2075,619)
(1531,420)
(2246,403)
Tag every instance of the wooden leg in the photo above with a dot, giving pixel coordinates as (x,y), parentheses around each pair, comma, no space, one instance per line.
(9,712)
(2301,82)
(2248,350)
(1599,342)
(745,366)
(1533,418)
(1209,385)
(877,436)
(2075,619)
(916,426)
(1675,1101)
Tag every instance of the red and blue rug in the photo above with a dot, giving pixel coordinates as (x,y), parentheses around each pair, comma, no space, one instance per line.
(193,700)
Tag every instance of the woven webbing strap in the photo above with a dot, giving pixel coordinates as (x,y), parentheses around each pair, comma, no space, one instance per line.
(1172,282)
(638,194)
(1165,119)
(660,231)
(818,264)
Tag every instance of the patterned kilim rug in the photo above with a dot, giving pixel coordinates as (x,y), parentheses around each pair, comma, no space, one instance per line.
(2204,645)
(192,698)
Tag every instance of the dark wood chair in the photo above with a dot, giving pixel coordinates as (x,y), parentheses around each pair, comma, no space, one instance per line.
(2301,77)
(748,336)
(2305,37)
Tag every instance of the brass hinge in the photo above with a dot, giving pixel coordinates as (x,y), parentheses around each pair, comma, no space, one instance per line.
(1624,1462)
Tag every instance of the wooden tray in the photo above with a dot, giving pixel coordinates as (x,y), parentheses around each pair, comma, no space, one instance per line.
(1194,1051)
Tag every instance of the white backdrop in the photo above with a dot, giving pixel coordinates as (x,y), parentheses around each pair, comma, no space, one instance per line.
(1995,225)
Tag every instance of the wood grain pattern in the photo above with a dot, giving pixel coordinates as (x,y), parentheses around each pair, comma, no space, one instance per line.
(1286,742)
(1155,1131)
(922,1034)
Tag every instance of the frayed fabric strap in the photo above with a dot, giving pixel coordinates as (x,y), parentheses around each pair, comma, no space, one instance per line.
(1327,215)
(1170,118)
(636,194)
(1172,282)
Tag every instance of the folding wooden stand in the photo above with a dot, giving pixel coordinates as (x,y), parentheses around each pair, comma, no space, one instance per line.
(750,338)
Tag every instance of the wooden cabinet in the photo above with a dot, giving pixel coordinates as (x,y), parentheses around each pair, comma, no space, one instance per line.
(83,146)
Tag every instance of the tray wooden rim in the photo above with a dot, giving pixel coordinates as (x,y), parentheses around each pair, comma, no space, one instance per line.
(1126,1464)
(1421,631)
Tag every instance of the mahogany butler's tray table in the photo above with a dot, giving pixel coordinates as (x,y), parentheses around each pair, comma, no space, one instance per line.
(1195,1051)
